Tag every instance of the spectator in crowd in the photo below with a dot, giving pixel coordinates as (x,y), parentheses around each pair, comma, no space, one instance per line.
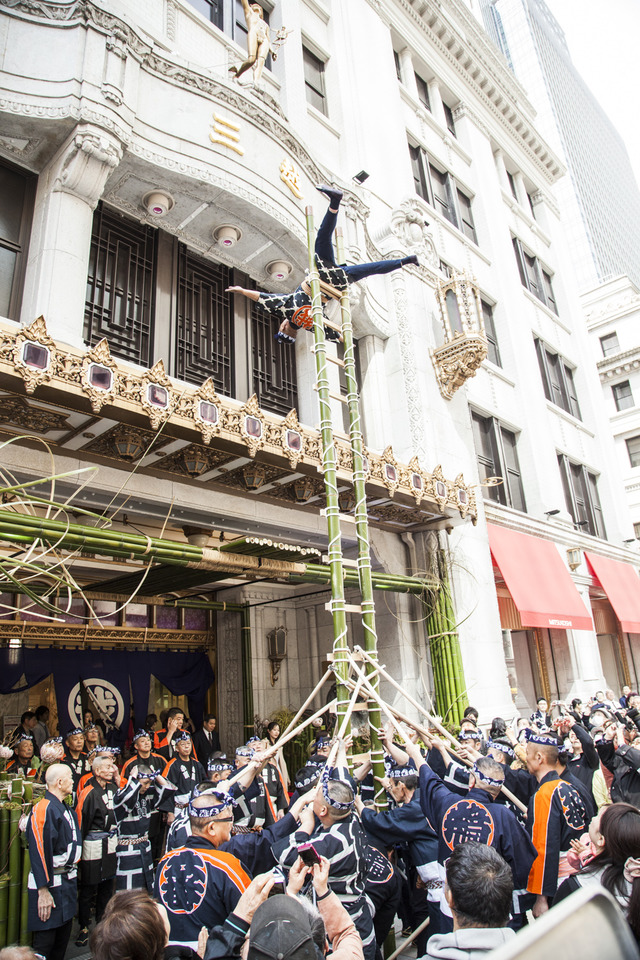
(41,729)
(478,889)
(206,741)
(26,726)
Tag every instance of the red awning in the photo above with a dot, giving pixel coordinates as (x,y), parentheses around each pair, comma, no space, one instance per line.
(538,581)
(621,584)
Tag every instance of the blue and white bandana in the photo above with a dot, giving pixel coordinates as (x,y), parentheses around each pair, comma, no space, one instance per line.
(214,808)
(327,775)
(485,778)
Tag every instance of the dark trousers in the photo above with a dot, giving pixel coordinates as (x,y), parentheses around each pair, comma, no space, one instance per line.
(52,944)
(358,271)
(102,892)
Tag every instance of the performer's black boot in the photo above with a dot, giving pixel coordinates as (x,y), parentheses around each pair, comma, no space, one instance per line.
(411,259)
(334,196)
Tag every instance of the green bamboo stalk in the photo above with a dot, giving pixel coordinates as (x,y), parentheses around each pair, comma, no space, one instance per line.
(15,874)
(365,578)
(4,838)
(4,908)
(25,936)
(247,672)
(330,481)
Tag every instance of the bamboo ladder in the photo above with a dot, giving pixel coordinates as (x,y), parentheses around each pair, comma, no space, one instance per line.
(336,561)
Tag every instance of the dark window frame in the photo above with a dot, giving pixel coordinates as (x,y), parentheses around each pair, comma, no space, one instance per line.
(620,396)
(448,119)
(20,245)
(423,91)
(633,454)
(496,451)
(440,189)
(398,66)
(557,379)
(488,319)
(319,92)
(582,500)
(606,352)
(534,276)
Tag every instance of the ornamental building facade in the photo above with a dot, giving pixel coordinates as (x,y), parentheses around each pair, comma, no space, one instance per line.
(139,181)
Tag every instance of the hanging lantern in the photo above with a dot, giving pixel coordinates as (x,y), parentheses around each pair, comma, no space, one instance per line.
(465,342)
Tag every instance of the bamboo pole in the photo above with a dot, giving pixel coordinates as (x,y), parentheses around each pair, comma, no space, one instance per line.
(4,908)
(328,672)
(362,526)
(25,936)
(15,874)
(414,703)
(4,838)
(407,943)
(247,671)
(271,751)
(330,478)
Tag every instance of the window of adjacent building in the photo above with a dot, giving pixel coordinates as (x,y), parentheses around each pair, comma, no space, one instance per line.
(622,395)
(636,531)
(496,450)
(534,276)
(512,185)
(314,80)
(423,92)
(439,189)
(493,353)
(448,117)
(16,203)
(446,269)
(136,273)
(633,449)
(581,496)
(228,16)
(398,65)
(609,344)
(557,379)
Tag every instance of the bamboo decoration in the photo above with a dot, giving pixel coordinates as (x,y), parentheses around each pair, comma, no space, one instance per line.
(446,659)
(338,613)
(4,838)
(25,936)
(15,873)
(4,908)
(362,529)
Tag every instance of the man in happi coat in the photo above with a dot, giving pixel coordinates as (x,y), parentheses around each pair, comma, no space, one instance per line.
(134,805)
(75,756)
(98,827)
(254,807)
(198,884)
(474,817)
(556,816)
(146,755)
(339,838)
(184,772)
(54,850)
(21,764)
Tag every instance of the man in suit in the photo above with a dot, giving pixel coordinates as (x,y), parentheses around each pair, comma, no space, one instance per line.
(207,740)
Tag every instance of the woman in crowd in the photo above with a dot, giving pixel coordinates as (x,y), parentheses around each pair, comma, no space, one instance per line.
(615,837)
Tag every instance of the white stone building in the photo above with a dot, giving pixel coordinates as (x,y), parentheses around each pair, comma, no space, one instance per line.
(129,157)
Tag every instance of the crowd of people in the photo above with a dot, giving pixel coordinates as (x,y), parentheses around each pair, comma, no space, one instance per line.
(182,851)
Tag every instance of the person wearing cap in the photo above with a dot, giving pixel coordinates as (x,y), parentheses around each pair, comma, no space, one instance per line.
(474,817)
(556,816)
(198,884)
(407,826)
(97,823)
(341,839)
(184,772)
(287,927)
(319,748)
(134,805)
(75,756)
(21,763)
(54,843)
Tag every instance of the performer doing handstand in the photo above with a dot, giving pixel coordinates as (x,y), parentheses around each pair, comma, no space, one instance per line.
(294,309)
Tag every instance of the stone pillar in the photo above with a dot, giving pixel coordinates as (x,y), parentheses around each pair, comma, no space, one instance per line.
(521,190)
(68,192)
(408,73)
(584,651)
(436,102)
(375,401)
(502,170)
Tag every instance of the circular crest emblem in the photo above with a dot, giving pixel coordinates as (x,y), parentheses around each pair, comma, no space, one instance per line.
(467,820)
(105,694)
(183,881)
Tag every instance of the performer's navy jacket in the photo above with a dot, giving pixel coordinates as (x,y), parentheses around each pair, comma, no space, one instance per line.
(405,824)
(556,816)
(199,886)
(475,817)
(54,848)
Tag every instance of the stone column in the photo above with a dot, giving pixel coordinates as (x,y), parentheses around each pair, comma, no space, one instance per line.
(502,170)
(68,192)
(436,102)
(408,72)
